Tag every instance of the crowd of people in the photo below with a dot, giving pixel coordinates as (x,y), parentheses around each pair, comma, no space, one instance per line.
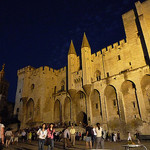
(94,137)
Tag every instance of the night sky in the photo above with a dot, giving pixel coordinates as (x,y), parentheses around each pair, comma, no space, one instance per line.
(38,33)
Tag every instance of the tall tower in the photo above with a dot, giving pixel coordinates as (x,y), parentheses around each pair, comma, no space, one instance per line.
(86,64)
(4,85)
(72,67)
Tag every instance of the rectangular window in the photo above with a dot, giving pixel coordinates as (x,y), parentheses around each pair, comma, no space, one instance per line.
(114,102)
(96,105)
(107,74)
(98,78)
(133,104)
(81,95)
(119,58)
(62,88)
(17,110)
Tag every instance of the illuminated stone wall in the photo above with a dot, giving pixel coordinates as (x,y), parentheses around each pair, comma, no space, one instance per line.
(111,86)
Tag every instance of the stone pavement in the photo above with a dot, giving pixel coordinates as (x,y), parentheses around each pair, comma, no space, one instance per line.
(80,145)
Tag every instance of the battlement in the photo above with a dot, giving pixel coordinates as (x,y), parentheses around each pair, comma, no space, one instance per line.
(45,69)
(25,69)
(118,45)
(59,71)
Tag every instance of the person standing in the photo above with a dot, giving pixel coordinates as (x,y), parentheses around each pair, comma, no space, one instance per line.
(115,137)
(112,136)
(23,135)
(118,136)
(137,135)
(42,133)
(88,137)
(66,138)
(30,136)
(94,136)
(72,133)
(50,137)
(1,134)
(99,138)
(129,136)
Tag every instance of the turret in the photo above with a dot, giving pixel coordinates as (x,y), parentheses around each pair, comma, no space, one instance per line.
(2,73)
(73,66)
(86,64)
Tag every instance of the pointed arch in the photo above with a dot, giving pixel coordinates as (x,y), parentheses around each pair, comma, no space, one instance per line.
(145,86)
(79,105)
(30,109)
(96,106)
(67,109)
(57,112)
(130,99)
(111,102)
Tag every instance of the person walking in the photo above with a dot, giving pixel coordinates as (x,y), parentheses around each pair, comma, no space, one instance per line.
(1,134)
(72,133)
(8,135)
(88,137)
(66,137)
(50,137)
(42,133)
(94,136)
(99,138)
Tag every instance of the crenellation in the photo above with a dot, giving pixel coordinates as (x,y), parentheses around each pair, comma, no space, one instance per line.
(98,53)
(104,50)
(51,70)
(109,48)
(115,45)
(46,68)
(122,42)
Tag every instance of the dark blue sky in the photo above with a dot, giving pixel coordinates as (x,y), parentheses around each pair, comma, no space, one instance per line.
(38,33)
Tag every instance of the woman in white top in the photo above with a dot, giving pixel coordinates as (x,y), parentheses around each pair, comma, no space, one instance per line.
(42,133)
(99,138)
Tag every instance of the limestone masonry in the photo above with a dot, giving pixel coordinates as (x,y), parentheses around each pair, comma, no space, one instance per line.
(111,86)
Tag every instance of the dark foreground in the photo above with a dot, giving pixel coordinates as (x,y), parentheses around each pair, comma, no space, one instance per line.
(80,145)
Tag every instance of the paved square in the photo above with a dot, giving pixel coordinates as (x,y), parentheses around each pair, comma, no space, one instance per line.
(80,145)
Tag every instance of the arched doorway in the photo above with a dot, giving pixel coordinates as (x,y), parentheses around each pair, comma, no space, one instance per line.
(82,117)
(145,86)
(67,109)
(57,112)
(78,106)
(111,102)
(30,109)
(131,105)
(96,106)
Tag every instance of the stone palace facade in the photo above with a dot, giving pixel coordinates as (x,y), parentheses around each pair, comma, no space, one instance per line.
(111,86)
